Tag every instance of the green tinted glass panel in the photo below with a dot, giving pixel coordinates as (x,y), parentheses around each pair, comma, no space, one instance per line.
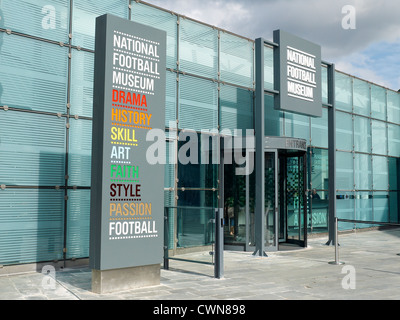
(169,168)
(273,119)
(344,131)
(319,130)
(362,97)
(40,18)
(344,171)
(236,56)
(84,15)
(203,173)
(394,140)
(362,134)
(394,207)
(78,232)
(381,206)
(343,92)
(394,171)
(33,75)
(159,19)
(82,75)
(236,108)
(268,68)
(379,137)
(80,153)
(198,104)
(195,228)
(170,100)
(364,206)
(378,102)
(31,225)
(297,126)
(362,171)
(393,107)
(319,169)
(380,173)
(198,49)
(345,208)
(32,149)
(324,84)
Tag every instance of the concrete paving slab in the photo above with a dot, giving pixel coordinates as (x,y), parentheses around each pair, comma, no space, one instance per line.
(371,262)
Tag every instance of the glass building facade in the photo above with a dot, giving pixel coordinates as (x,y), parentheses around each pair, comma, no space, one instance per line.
(46,88)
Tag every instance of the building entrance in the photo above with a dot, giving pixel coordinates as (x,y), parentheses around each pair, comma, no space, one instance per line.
(292,198)
(285,199)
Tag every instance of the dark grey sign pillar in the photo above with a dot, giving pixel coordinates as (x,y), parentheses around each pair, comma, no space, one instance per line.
(260,165)
(332,155)
(127,189)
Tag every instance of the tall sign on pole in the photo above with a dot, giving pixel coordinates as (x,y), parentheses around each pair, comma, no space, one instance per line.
(297,64)
(127,193)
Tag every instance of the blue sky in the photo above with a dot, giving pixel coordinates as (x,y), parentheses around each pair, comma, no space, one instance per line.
(371,51)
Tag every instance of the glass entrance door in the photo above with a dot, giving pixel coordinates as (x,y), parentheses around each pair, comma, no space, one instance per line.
(292,199)
(271,199)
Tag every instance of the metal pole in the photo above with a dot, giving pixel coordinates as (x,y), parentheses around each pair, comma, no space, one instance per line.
(331,152)
(219,244)
(166,239)
(337,262)
(259,228)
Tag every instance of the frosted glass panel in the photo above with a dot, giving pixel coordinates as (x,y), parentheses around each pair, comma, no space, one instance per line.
(362,171)
(40,18)
(33,75)
(32,149)
(82,75)
(78,223)
(394,140)
(236,58)
(380,173)
(378,102)
(362,134)
(198,104)
(31,225)
(236,108)
(85,13)
(319,130)
(362,100)
(393,107)
(344,131)
(268,68)
(80,153)
(198,49)
(344,171)
(379,137)
(159,19)
(297,126)
(343,92)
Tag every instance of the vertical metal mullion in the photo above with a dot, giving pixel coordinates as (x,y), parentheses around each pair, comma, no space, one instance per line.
(66,176)
(175,226)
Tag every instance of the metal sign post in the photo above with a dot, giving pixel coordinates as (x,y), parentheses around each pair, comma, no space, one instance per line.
(219,243)
(337,262)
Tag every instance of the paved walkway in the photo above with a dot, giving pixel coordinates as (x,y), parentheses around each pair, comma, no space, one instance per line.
(371,271)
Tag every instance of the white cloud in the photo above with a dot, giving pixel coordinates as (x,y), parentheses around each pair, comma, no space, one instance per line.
(320,21)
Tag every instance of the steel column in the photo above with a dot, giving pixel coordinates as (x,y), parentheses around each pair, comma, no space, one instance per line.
(260,164)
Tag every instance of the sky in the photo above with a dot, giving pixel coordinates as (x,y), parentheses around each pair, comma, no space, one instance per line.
(362,37)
